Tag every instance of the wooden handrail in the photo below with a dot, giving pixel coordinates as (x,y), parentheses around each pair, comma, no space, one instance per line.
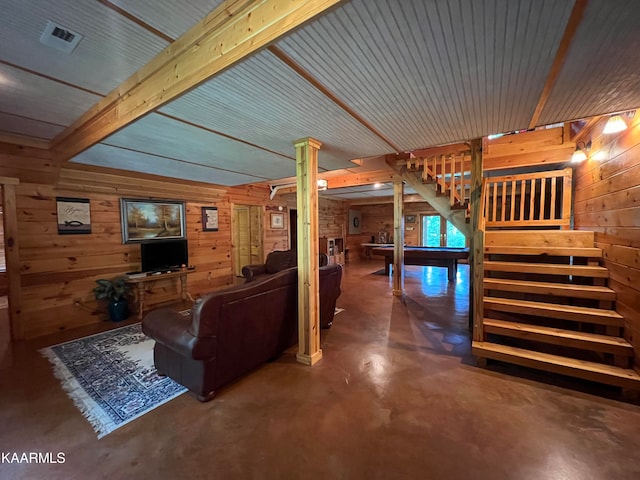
(450,173)
(526,200)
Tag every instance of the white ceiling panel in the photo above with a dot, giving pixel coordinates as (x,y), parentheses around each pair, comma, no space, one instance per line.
(169,16)
(158,135)
(264,102)
(113,157)
(29,127)
(601,73)
(113,47)
(37,98)
(434,72)
(419,72)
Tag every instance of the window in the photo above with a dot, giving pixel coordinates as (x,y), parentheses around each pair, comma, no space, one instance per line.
(438,232)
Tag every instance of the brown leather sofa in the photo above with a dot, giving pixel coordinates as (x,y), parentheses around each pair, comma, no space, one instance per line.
(231,332)
(276,261)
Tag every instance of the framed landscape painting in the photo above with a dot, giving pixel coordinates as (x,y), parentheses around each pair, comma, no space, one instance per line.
(144,220)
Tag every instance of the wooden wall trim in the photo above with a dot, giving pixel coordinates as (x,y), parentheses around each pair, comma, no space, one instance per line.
(12,259)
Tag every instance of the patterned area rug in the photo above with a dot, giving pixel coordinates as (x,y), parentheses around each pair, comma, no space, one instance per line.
(110,376)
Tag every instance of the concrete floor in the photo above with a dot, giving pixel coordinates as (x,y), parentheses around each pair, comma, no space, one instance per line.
(396,396)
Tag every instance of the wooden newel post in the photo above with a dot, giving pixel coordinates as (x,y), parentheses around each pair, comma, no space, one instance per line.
(309,351)
(477,241)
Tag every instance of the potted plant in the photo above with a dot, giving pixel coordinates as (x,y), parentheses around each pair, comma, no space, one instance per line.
(115,292)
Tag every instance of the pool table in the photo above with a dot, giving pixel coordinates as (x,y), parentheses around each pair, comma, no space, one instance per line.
(426,256)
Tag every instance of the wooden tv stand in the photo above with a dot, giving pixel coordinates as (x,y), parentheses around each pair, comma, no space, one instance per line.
(143,284)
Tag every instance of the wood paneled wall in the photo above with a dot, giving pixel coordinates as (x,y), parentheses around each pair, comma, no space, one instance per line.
(607,201)
(380,217)
(55,271)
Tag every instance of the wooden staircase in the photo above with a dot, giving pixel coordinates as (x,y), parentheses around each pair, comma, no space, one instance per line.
(449,174)
(443,178)
(547,306)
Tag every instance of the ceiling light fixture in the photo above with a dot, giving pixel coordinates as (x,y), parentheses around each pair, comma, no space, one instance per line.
(615,124)
(580,154)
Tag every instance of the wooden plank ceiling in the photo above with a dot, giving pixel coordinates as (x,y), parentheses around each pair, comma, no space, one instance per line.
(367,78)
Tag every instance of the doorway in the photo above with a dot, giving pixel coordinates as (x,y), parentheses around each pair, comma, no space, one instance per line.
(247,236)
(436,231)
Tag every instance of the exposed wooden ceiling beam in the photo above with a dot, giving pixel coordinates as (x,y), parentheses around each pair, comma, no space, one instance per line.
(233,31)
(136,20)
(24,140)
(413,198)
(572,25)
(358,179)
(330,95)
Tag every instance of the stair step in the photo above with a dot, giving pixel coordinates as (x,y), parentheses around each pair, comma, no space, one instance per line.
(545,250)
(598,316)
(542,238)
(597,372)
(547,269)
(593,292)
(558,336)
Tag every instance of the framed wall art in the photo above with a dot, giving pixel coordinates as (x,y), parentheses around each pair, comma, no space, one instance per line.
(355,222)
(74,215)
(277,221)
(144,220)
(209,219)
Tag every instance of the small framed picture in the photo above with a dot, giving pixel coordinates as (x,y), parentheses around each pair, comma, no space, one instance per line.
(410,219)
(74,215)
(209,219)
(277,221)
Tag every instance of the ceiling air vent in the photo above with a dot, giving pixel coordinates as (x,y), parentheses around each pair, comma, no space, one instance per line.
(60,38)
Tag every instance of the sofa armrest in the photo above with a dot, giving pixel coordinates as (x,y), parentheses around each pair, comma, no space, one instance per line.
(171,329)
(252,271)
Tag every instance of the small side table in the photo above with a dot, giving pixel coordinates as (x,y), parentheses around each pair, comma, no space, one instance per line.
(143,283)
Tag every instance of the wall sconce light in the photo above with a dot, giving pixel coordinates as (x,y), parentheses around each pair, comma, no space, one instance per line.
(615,124)
(323,184)
(580,154)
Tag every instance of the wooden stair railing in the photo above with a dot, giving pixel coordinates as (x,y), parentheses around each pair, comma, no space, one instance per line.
(451,175)
(528,200)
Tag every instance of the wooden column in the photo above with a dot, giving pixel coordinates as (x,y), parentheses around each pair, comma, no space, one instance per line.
(477,242)
(12,256)
(398,237)
(309,351)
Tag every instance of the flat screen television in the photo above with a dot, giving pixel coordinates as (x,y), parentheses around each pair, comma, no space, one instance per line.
(162,255)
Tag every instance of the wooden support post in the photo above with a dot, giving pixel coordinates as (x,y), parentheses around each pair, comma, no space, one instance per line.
(398,237)
(12,256)
(309,351)
(477,242)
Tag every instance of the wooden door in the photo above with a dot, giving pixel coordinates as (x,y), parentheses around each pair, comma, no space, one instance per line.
(247,235)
